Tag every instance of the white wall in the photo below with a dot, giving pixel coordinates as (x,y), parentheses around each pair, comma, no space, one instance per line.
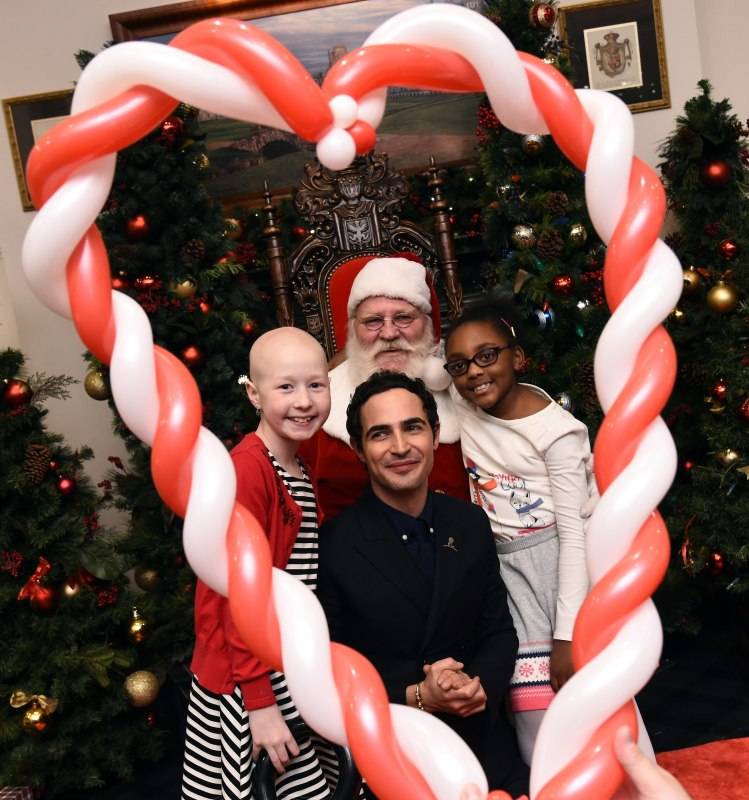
(704,38)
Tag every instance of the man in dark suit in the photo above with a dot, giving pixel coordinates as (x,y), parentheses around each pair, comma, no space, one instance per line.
(410,578)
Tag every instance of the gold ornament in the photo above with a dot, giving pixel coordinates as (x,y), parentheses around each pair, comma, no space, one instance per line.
(578,235)
(692,281)
(146,578)
(727,456)
(677,315)
(723,298)
(96,385)
(523,237)
(39,708)
(532,144)
(137,630)
(142,688)
(744,471)
(201,161)
(184,289)
(232,228)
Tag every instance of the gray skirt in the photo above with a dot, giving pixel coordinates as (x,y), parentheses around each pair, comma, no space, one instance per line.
(529,567)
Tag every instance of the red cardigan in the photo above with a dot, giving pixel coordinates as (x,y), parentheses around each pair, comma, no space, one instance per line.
(341,477)
(221,660)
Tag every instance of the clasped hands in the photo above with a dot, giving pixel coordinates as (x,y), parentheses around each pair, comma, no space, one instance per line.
(447,689)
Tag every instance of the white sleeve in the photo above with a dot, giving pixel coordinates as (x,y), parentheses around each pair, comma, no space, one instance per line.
(566,459)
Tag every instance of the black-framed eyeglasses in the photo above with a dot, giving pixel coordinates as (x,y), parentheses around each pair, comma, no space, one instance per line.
(401,320)
(484,358)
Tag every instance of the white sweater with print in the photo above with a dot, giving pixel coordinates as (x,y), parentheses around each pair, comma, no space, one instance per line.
(529,474)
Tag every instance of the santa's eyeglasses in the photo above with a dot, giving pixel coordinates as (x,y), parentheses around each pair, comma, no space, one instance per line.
(402,320)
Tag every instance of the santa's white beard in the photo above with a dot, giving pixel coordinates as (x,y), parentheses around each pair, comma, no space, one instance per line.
(421,361)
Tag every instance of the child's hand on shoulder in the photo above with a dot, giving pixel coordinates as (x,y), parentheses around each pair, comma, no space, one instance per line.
(560,666)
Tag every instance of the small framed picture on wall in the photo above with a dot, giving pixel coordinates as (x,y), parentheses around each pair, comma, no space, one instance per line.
(27,119)
(618,46)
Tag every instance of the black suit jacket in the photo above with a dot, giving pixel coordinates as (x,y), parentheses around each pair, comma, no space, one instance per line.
(377,601)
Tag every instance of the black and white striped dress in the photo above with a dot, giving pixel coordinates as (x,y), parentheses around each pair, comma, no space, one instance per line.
(218,745)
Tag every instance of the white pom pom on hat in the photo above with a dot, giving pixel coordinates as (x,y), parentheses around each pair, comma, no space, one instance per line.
(397,278)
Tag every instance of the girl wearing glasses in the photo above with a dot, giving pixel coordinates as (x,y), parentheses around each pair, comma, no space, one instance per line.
(529,466)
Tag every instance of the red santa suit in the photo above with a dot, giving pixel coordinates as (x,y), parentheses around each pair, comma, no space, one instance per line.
(339,474)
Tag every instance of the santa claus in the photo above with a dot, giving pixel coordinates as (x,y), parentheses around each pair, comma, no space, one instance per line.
(390,326)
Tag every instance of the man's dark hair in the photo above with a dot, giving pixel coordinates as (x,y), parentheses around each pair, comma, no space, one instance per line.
(501,314)
(384,381)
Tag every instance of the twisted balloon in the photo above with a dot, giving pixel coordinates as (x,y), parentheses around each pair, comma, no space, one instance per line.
(235,70)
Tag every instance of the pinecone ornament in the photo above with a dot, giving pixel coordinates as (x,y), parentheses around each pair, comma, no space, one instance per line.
(36,463)
(549,245)
(194,250)
(557,204)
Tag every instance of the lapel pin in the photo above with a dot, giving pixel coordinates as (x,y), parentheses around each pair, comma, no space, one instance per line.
(450,544)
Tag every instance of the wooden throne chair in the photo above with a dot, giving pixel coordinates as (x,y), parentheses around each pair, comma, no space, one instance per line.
(353,216)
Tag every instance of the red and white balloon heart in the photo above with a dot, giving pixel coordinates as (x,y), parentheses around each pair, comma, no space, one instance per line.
(230,68)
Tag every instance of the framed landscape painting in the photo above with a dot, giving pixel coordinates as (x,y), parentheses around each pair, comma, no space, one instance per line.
(417,124)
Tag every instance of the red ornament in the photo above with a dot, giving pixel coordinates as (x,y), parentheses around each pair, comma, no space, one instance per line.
(716,563)
(17,393)
(205,306)
(563,284)
(151,719)
(54,465)
(192,356)
(728,249)
(542,15)
(138,228)
(744,409)
(44,600)
(41,598)
(248,327)
(146,282)
(720,390)
(119,283)
(715,173)
(65,485)
(171,129)
(688,465)
(516,178)
(299,232)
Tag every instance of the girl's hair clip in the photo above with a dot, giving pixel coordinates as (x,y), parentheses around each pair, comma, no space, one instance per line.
(242,380)
(509,327)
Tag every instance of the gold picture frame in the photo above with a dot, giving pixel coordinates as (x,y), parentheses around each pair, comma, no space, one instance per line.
(243,157)
(618,46)
(26,119)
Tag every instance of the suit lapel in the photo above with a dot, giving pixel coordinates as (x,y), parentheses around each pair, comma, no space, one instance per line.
(379,544)
(449,565)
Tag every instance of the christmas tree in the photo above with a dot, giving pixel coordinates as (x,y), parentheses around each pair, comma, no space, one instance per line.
(192,269)
(70,668)
(542,246)
(704,168)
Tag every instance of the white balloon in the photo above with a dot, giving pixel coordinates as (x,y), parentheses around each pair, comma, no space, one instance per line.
(482,43)
(54,232)
(305,644)
(445,761)
(336,149)
(595,692)
(175,72)
(649,301)
(132,373)
(209,512)
(609,161)
(344,109)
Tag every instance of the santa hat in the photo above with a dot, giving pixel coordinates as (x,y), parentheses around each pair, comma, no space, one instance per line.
(397,278)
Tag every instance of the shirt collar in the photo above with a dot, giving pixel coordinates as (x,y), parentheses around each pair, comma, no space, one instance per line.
(401,521)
